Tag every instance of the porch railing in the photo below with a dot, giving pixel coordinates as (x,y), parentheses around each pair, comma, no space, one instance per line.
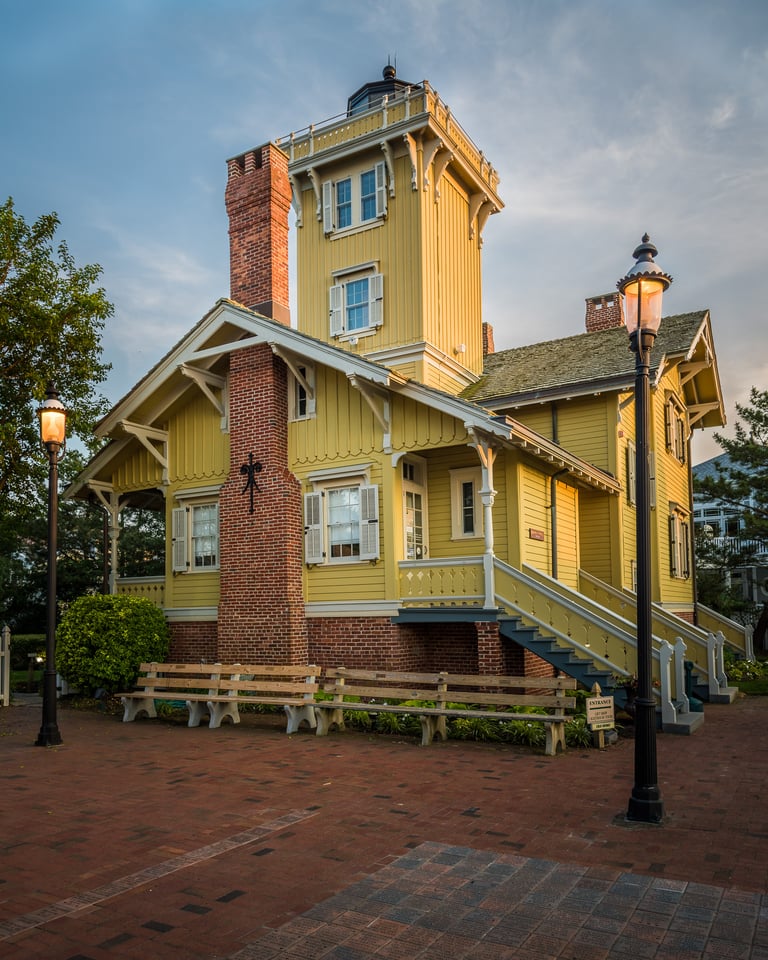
(153,588)
(442,582)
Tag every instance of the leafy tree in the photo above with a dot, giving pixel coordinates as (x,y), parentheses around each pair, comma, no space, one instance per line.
(715,562)
(743,474)
(52,315)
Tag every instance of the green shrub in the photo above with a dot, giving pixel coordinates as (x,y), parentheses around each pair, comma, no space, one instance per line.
(746,670)
(474,728)
(102,640)
(577,733)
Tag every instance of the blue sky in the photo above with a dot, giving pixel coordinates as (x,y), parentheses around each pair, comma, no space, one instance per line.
(604,118)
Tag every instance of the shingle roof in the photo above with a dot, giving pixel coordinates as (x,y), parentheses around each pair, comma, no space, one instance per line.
(585,359)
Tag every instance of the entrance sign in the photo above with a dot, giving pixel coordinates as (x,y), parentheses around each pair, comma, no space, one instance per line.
(600,713)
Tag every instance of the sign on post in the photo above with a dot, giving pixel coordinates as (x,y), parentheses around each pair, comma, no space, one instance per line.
(600,713)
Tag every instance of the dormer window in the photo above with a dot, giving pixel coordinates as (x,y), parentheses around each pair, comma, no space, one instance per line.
(357,200)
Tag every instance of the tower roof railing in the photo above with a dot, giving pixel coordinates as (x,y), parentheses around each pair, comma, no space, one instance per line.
(405,107)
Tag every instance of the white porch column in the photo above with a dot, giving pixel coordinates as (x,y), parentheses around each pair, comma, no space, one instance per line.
(487,456)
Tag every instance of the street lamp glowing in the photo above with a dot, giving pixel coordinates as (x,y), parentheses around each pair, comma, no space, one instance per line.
(53,434)
(643,290)
(53,420)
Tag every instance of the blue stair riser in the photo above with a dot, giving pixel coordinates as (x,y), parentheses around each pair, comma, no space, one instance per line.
(580,668)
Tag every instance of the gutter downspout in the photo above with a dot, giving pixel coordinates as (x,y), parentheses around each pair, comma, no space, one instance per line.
(553,517)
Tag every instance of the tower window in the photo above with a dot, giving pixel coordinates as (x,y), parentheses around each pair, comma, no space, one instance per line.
(356,304)
(357,200)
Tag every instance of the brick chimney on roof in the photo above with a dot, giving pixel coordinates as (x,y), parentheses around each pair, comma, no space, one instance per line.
(258,199)
(604,312)
(488,344)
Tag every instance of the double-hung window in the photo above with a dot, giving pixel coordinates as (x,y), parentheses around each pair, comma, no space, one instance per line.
(341,523)
(676,428)
(466,505)
(679,543)
(356,301)
(195,537)
(357,200)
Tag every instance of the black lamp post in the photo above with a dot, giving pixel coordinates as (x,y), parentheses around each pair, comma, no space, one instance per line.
(642,290)
(53,424)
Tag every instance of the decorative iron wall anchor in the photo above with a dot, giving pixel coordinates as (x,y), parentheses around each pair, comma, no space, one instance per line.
(249,471)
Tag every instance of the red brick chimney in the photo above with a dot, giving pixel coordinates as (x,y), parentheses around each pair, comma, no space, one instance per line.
(258,198)
(604,312)
(488,344)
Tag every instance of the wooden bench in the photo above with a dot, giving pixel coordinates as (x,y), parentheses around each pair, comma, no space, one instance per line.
(216,689)
(434,697)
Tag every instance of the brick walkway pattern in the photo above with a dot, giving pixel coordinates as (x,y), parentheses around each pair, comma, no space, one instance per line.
(153,840)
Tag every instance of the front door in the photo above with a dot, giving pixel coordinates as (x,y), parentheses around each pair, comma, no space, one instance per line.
(414,510)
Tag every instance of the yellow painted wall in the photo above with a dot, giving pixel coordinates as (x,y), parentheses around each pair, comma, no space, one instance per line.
(430,265)
(672,486)
(598,538)
(198,449)
(567,534)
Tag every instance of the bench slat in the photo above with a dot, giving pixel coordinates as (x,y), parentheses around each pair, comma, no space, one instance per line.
(490,680)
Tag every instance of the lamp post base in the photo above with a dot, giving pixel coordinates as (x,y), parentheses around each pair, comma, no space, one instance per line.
(49,736)
(646,809)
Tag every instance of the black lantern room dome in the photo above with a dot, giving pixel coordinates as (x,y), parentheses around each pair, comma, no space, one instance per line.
(371,94)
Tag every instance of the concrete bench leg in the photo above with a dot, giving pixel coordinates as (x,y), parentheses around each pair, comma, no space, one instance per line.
(298,714)
(432,727)
(219,711)
(555,739)
(133,706)
(326,719)
(197,710)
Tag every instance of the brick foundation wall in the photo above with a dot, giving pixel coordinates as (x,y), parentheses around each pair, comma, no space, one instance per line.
(193,643)
(376,643)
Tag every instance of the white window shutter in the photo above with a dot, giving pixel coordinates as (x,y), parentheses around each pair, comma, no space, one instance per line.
(336,294)
(673,547)
(369,523)
(179,561)
(381,190)
(328,206)
(313,528)
(376,300)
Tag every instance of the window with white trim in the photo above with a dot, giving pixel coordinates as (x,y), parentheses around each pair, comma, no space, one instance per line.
(466,505)
(195,538)
(341,524)
(415,538)
(357,200)
(676,428)
(356,302)
(679,544)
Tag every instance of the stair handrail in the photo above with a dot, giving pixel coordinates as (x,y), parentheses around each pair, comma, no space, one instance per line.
(671,689)
(601,623)
(748,649)
(696,638)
